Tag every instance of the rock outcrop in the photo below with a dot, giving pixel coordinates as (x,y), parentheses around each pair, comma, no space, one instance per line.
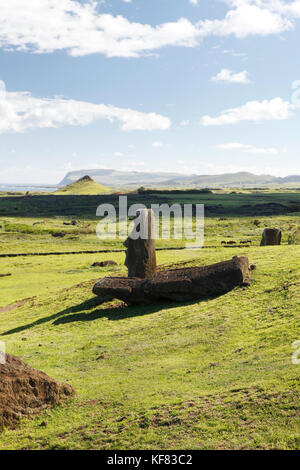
(271,236)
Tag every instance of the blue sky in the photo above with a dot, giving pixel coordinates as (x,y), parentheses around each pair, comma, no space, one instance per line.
(169,85)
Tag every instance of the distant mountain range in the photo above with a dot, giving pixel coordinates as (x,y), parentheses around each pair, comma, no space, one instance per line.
(134,179)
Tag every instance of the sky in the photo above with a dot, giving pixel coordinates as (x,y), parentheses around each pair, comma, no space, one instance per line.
(194,87)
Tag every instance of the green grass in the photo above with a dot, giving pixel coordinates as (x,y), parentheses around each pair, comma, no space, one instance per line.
(218,203)
(27,235)
(212,374)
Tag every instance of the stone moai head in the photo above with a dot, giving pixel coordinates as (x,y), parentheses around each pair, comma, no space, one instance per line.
(140,254)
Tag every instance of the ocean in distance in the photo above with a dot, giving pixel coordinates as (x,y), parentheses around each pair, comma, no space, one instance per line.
(30,188)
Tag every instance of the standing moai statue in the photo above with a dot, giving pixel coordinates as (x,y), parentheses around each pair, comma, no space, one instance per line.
(271,236)
(140,254)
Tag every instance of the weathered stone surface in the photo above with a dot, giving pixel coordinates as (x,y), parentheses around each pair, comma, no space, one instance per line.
(140,254)
(25,391)
(271,236)
(178,284)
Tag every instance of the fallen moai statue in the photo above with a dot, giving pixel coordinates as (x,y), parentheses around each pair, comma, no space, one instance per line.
(177,285)
(25,391)
(271,236)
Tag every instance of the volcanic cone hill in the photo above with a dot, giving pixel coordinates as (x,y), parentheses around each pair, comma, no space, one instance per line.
(85,185)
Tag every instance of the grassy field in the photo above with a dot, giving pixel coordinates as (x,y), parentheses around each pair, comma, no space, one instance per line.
(212,374)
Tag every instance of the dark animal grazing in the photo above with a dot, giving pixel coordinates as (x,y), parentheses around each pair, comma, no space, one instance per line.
(178,285)
(271,236)
(105,263)
(58,234)
(73,222)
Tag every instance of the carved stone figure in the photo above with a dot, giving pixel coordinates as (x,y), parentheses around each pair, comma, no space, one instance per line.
(140,254)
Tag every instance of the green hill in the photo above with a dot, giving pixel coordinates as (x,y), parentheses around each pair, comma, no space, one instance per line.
(85,185)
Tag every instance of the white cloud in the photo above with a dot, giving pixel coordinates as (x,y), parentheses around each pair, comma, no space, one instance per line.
(247,20)
(21,111)
(2,90)
(226,75)
(290,8)
(185,123)
(79,28)
(157,144)
(51,25)
(248,148)
(234,53)
(194,2)
(258,111)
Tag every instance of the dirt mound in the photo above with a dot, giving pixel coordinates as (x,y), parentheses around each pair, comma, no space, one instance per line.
(15,305)
(25,391)
(178,284)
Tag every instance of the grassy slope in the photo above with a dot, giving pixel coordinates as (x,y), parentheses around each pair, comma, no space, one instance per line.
(209,374)
(84,187)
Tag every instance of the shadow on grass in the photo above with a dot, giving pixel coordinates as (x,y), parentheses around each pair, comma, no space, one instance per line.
(120,312)
(86,305)
(113,313)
